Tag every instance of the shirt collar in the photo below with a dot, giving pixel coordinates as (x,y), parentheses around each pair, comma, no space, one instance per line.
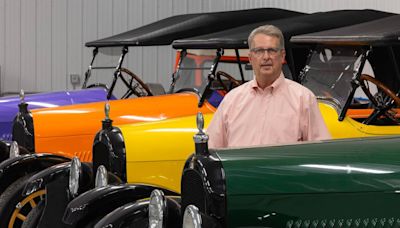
(274,86)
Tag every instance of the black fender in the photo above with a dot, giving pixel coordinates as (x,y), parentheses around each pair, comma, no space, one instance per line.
(4,150)
(14,168)
(136,214)
(60,173)
(101,201)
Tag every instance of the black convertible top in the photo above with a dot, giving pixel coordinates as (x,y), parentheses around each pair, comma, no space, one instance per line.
(165,31)
(385,31)
(236,38)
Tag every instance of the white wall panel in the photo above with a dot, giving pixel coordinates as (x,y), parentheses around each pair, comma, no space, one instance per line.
(59,45)
(28,45)
(90,32)
(42,41)
(74,38)
(13,45)
(43,44)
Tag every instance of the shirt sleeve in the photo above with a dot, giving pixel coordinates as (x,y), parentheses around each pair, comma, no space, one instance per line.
(217,129)
(314,124)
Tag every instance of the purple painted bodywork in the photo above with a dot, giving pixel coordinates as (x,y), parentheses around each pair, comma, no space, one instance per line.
(9,104)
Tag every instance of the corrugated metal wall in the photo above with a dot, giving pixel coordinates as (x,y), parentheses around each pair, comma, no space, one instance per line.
(42,41)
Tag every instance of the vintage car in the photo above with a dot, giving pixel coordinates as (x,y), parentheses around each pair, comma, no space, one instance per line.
(153,166)
(45,130)
(334,183)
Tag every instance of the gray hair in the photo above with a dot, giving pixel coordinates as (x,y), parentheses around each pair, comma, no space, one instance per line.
(269,30)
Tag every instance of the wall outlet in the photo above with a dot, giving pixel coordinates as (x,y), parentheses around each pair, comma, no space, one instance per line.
(75,79)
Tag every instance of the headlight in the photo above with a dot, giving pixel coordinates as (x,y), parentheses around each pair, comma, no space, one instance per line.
(191,217)
(14,149)
(101,177)
(157,209)
(74,174)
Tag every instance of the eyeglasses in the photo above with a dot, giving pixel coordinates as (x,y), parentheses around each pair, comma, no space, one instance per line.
(259,52)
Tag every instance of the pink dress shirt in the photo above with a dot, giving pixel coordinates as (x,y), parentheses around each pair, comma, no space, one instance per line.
(284,112)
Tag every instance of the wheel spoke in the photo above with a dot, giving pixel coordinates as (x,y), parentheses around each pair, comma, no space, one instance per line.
(21,216)
(32,203)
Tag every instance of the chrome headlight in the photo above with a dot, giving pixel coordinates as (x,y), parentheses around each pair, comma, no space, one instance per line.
(14,149)
(157,209)
(74,174)
(101,177)
(191,217)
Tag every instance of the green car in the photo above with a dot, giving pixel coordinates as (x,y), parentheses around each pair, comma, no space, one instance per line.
(337,183)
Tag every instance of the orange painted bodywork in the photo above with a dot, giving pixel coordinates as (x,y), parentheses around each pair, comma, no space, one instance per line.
(70,130)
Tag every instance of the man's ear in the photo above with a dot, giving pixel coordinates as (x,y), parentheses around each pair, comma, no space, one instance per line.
(283,56)
(249,55)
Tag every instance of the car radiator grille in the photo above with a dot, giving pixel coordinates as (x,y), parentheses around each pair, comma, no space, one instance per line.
(193,191)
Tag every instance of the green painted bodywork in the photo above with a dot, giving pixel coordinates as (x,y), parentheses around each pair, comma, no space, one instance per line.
(338,183)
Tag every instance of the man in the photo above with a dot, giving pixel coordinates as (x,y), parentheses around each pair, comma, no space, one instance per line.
(268,109)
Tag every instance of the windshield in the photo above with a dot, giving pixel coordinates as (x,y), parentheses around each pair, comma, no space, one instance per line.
(330,71)
(196,66)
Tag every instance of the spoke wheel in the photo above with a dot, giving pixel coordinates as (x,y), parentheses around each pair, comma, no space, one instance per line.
(384,103)
(136,85)
(25,206)
(14,207)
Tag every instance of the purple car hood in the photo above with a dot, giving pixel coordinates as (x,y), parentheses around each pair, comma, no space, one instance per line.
(9,104)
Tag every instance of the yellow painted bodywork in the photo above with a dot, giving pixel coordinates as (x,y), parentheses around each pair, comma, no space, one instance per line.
(350,128)
(156,152)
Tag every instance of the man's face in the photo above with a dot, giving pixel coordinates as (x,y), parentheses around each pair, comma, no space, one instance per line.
(266,58)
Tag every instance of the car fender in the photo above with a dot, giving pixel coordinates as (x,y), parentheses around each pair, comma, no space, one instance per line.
(97,201)
(56,173)
(13,168)
(136,211)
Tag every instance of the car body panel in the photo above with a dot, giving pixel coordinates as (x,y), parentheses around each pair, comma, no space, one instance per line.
(51,137)
(159,162)
(349,127)
(296,182)
(9,104)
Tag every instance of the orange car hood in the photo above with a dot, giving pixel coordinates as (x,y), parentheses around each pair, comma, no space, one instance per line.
(85,119)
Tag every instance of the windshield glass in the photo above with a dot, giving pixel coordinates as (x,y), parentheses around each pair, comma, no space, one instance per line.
(330,71)
(103,69)
(196,65)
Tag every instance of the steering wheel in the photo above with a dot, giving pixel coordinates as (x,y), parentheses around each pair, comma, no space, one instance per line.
(232,80)
(383,103)
(139,88)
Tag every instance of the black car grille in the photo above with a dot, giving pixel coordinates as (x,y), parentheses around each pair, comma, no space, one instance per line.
(193,191)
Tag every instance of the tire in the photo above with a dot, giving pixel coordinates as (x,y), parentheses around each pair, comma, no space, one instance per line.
(33,217)
(10,214)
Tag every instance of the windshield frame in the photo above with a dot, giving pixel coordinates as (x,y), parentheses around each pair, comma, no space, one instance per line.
(340,107)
